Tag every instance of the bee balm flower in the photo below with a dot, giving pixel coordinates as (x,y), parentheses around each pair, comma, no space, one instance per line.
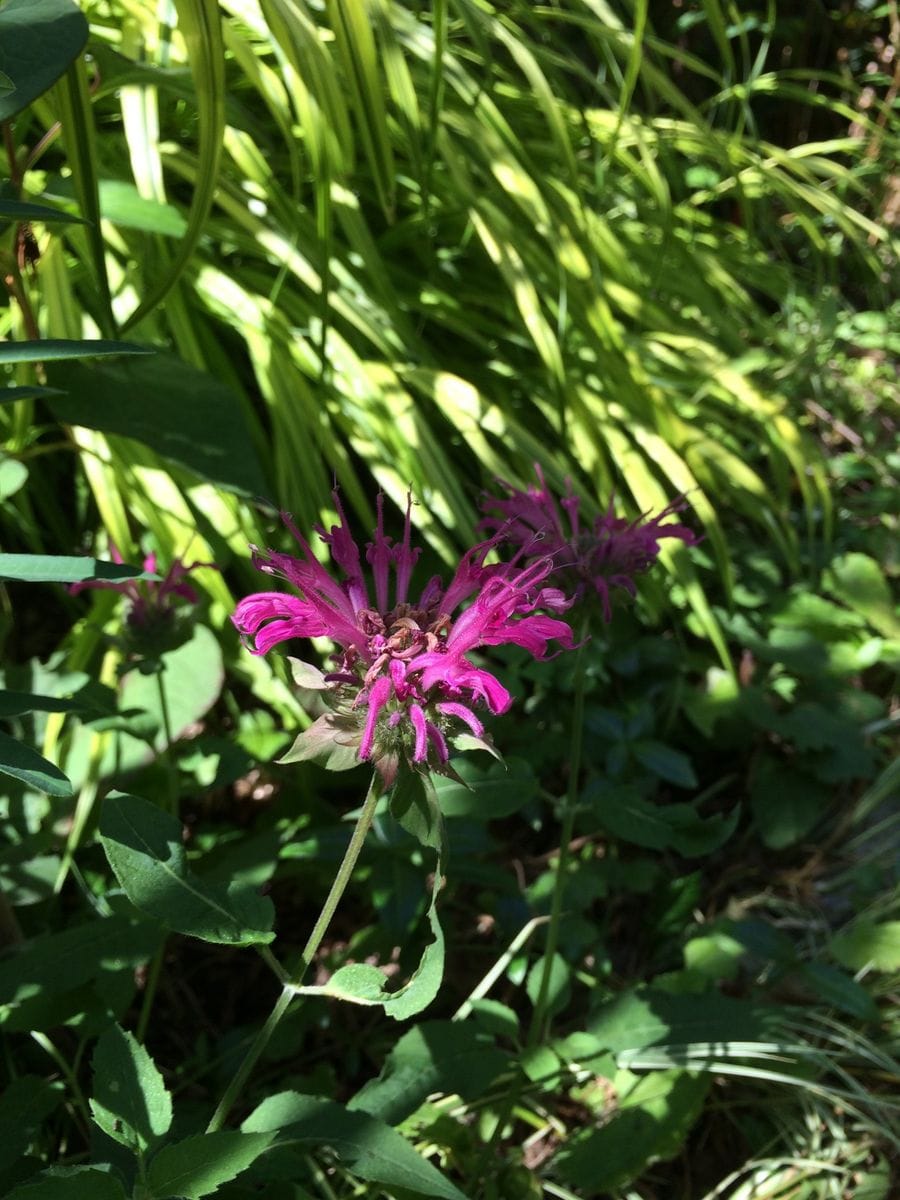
(608,553)
(402,685)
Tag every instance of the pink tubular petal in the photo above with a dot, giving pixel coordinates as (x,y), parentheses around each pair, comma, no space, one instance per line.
(379,556)
(379,694)
(450,708)
(417,716)
(272,617)
(405,556)
(438,741)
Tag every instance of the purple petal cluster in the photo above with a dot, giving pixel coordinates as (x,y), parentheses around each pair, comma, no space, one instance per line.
(401,663)
(588,559)
(150,601)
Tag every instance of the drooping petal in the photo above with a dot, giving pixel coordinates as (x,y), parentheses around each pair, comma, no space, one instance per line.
(452,708)
(417,716)
(267,618)
(378,696)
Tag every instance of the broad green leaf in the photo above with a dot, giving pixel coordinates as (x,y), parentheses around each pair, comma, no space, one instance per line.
(640,1019)
(626,814)
(38,41)
(558,990)
(35,771)
(786,803)
(498,789)
(829,985)
(50,967)
(651,1123)
(13,474)
(453,1058)
(62,349)
(197,1166)
(182,413)
(145,850)
(57,568)
(859,581)
(70,1183)
(669,764)
(17,210)
(366,1146)
(869,944)
(130,1102)
(23,1106)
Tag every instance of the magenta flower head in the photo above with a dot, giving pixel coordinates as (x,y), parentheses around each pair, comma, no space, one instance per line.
(151,602)
(587,559)
(402,686)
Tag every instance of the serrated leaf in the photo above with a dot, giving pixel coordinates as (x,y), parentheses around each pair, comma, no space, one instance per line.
(70,1183)
(130,1101)
(23,1106)
(332,741)
(38,41)
(31,768)
(786,803)
(196,1166)
(455,1058)
(57,962)
(495,790)
(145,850)
(665,762)
(366,1146)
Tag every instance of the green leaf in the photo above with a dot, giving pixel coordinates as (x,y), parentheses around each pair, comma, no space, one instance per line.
(670,765)
(786,803)
(626,814)
(651,1123)
(637,1020)
(58,568)
(13,475)
(196,1166)
(130,1102)
(414,804)
(145,850)
(35,771)
(23,1106)
(367,1147)
(70,1183)
(17,210)
(486,792)
(38,41)
(869,944)
(14,704)
(55,964)
(559,988)
(453,1058)
(62,349)
(9,395)
(859,582)
(832,986)
(182,413)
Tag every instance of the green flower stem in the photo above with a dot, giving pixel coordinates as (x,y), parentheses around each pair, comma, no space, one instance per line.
(283,1003)
(171,766)
(540,1021)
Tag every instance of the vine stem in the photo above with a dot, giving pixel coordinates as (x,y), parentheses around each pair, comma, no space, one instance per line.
(540,1021)
(295,979)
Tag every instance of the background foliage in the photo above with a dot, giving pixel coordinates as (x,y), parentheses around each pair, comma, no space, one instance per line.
(428,245)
